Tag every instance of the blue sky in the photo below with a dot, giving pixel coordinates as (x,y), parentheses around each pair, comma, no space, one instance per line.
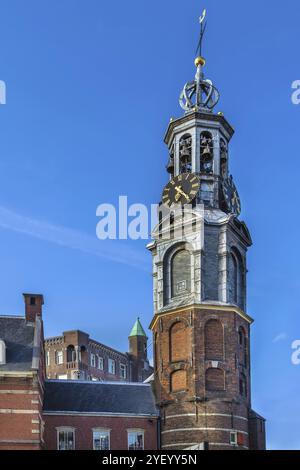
(91,87)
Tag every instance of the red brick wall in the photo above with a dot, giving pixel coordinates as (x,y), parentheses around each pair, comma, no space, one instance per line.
(201,411)
(20,414)
(83,430)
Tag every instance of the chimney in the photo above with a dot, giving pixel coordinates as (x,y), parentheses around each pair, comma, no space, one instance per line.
(33,306)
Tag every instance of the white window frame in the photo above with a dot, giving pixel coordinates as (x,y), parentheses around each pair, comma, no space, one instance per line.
(66,429)
(100,363)
(136,431)
(59,355)
(93,360)
(2,352)
(233,438)
(100,430)
(47,358)
(112,370)
(123,368)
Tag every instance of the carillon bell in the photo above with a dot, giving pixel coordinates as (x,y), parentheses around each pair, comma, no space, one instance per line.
(170,166)
(185,154)
(207,152)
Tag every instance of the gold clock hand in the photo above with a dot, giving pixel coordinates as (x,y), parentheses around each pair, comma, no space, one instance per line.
(179,191)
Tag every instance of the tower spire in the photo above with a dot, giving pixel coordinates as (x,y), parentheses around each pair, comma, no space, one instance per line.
(200,94)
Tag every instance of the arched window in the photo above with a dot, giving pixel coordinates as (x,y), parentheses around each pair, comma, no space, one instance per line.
(234,278)
(83,354)
(243,347)
(178,381)
(206,153)
(243,385)
(181,273)
(179,342)
(214,340)
(237,275)
(170,166)
(215,380)
(2,352)
(177,273)
(223,158)
(185,154)
(71,353)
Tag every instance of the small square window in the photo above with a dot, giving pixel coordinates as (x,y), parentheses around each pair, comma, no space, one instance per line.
(181,286)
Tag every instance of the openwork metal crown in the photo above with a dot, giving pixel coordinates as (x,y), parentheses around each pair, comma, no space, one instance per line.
(199,94)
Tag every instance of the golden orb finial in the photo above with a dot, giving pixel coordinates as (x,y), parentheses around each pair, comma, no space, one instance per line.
(199,61)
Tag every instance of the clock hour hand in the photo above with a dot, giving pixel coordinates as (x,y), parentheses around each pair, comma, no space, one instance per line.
(180,193)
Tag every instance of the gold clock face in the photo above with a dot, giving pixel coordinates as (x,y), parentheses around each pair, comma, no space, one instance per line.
(181,190)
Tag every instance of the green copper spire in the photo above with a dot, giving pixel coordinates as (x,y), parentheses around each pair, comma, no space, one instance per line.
(137,329)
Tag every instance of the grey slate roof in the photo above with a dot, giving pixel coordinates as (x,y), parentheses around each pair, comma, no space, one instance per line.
(18,337)
(99,397)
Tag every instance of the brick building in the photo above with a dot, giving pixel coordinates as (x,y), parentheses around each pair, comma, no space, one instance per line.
(99,415)
(37,414)
(74,355)
(22,372)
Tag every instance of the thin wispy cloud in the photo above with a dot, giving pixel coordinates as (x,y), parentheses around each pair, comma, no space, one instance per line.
(112,250)
(280,337)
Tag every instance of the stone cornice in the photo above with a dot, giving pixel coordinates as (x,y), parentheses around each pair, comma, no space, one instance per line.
(200,117)
(215,307)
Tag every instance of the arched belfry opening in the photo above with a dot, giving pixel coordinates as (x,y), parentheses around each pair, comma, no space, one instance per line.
(171,162)
(206,153)
(223,159)
(185,154)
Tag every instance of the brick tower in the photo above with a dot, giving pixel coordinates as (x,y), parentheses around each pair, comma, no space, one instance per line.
(138,353)
(201,331)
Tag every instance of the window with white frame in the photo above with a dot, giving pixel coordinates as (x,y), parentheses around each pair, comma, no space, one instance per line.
(101,439)
(65,438)
(59,358)
(233,438)
(48,358)
(93,360)
(123,371)
(135,439)
(100,363)
(111,366)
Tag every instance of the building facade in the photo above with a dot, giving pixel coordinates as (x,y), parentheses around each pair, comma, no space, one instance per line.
(22,373)
(46,414)
(201,328)
(100,416)
(74,355)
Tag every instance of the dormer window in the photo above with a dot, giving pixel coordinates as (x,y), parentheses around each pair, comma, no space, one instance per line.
(2,352)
